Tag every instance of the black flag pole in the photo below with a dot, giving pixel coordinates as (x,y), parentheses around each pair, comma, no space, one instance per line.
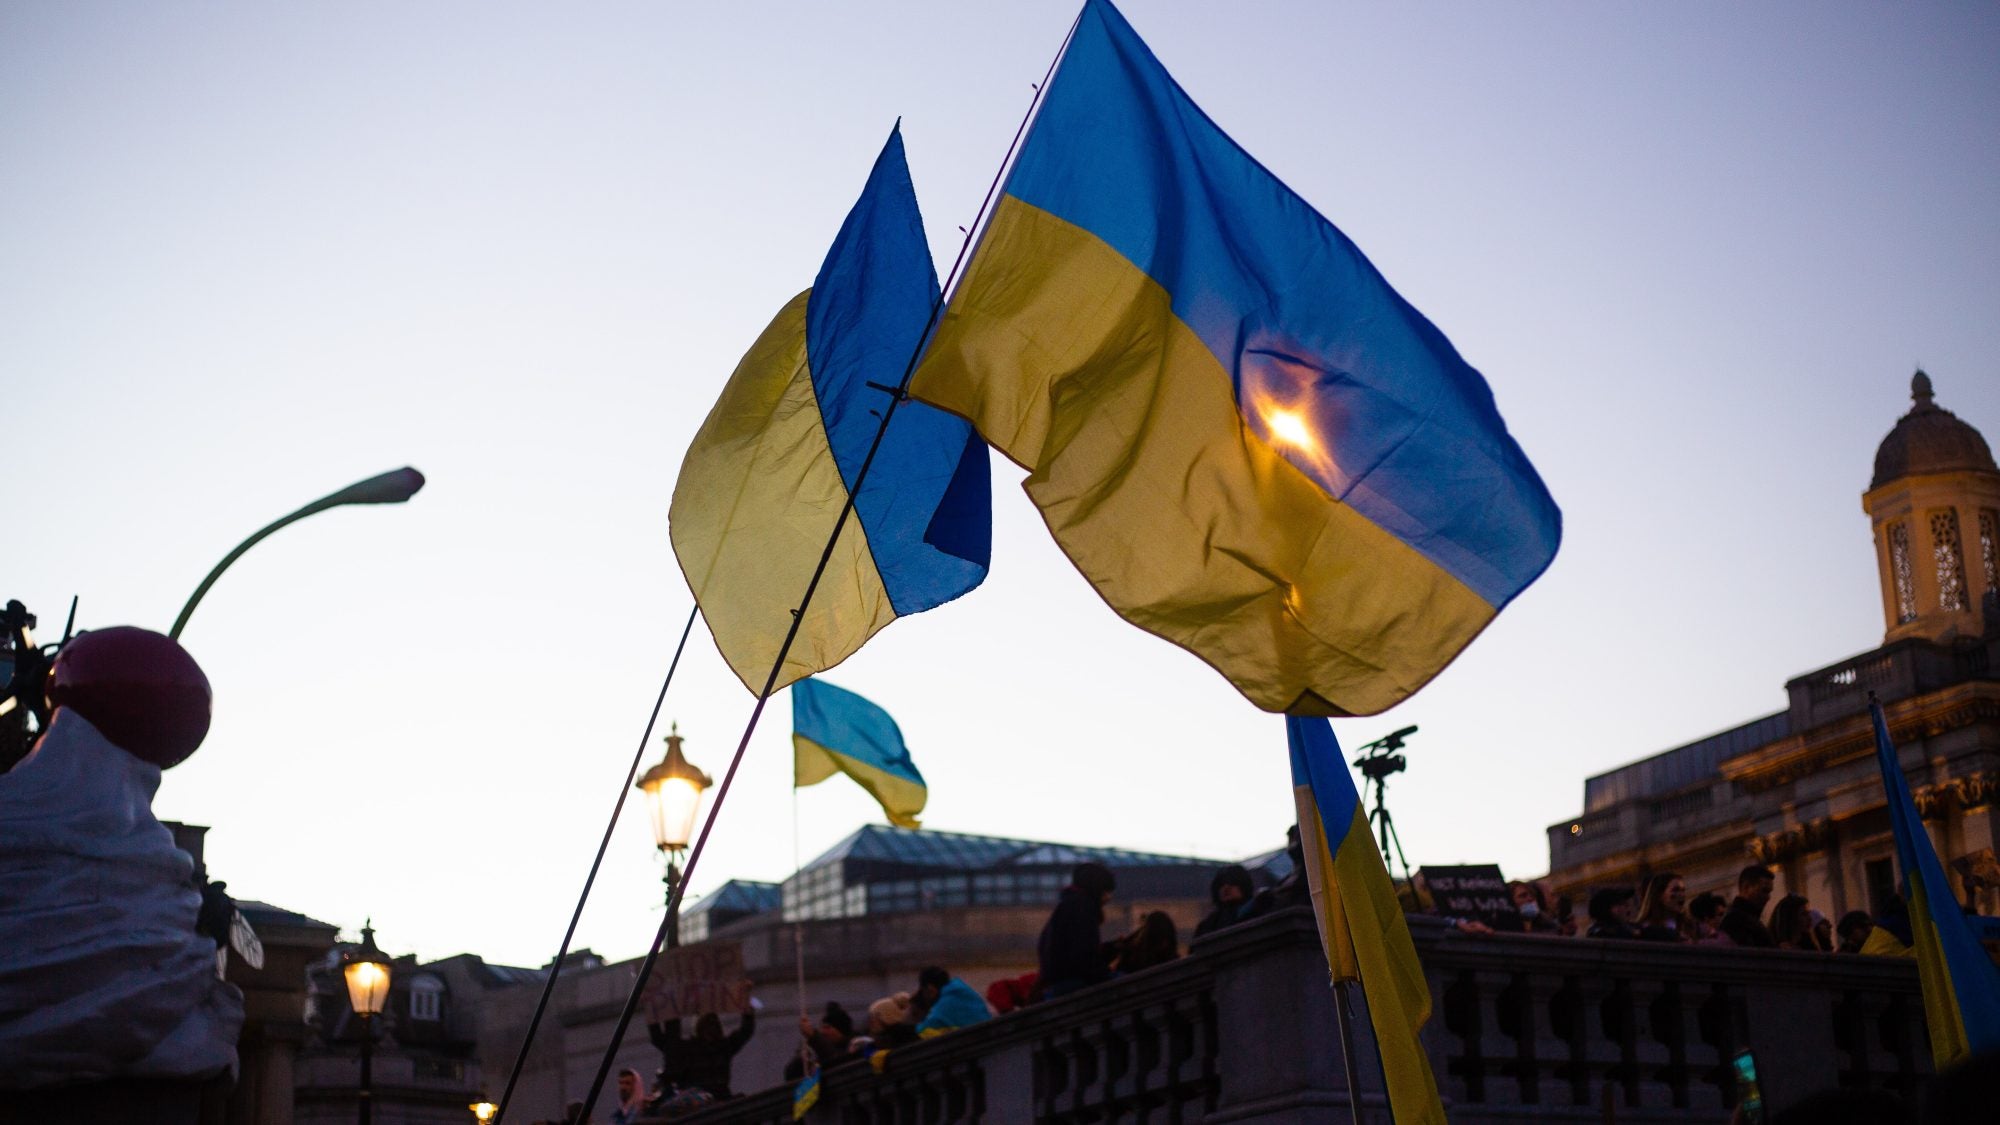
(897,396)
(625,787)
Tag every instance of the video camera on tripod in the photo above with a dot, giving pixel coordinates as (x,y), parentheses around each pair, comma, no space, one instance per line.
(1379,758)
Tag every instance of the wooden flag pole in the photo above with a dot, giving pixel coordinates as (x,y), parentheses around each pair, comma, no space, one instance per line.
(1345,1017)
(897,396)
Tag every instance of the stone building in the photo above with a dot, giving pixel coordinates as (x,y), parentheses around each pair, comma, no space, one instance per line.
(871,912)
(1799,790)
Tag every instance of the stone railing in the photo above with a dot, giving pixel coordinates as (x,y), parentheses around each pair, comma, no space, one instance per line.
(1523,1028)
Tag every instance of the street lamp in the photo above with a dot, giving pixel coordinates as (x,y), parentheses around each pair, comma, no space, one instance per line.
(367,973)
(483,1111)
(389,488)
(673,794)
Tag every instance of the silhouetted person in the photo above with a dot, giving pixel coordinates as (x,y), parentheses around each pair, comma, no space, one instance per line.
(1611,914)
(827,1040)
(1853,931)
(1235,897)
(1744,922)
(1154,941)
(1070,950)
(703,1061)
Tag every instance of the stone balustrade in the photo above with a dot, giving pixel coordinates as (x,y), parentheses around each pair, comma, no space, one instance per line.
(1523,1029)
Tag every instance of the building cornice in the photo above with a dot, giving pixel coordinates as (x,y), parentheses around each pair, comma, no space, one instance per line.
(1853,736)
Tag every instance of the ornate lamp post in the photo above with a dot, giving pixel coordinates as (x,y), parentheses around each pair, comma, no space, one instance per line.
(673,793)
(367,973)
(392,487)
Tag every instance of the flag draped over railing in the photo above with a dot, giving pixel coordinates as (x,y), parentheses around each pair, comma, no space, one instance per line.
(1242,436)
(775,462)
(1961,986)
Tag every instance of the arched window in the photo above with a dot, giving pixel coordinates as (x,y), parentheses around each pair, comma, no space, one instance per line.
(1900,570)
(1950,559)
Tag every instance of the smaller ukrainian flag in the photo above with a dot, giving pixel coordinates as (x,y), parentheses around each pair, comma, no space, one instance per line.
(837,731)
(805,1095)
(1961,989)
(1360,922)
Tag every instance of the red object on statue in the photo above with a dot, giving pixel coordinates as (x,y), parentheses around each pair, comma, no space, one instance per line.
(139,688)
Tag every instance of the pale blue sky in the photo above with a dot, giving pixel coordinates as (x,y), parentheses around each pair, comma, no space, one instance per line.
(249,255)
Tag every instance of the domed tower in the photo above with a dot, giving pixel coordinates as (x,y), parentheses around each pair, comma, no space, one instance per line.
(1935,505)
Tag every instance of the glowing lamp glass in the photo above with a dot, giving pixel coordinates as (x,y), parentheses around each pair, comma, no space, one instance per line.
(367,985)
(674,802)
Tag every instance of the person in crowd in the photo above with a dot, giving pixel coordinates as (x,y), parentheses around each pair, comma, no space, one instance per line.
(1532,903)
(1853,931)
(702,1062)
(1295,889)
(825,1041)
(1567,923)
(1154,941)
(949,1003)
(1663,912)
(1891,935)
(1791,924)
(889,1026)
(1009,993)
(1235,897)
(631,1098)
(1070,950)
(1744,921)
(1611,914)
(1705,914)
(1821,930)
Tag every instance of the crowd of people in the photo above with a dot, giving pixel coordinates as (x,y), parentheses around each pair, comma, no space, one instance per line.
(1072,953)
(1659,910)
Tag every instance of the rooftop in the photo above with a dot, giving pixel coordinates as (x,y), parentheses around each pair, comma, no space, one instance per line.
(1682,766)
(957,851)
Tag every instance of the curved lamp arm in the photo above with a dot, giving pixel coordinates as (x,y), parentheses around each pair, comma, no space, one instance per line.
(389,488)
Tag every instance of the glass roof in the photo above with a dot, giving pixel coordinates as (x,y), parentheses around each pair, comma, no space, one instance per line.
(745,895)
(959,851)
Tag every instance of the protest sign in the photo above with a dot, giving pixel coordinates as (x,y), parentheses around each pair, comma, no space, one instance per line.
(696,981)
(1476,891)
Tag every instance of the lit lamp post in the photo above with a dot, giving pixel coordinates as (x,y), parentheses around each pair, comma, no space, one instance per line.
(673,792)
(392,487)
(483,1111)
(367,973)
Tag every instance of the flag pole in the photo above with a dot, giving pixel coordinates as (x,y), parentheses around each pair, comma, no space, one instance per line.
(555,966)
(1346,1021)
(897,396)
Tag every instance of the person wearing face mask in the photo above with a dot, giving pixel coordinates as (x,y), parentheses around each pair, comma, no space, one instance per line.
(1532,904)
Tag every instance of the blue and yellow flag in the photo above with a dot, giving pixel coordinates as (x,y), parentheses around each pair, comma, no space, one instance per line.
(1360,921)
(805,1095)
(777,457)
(837,731)
(1961,986)
(1242,436)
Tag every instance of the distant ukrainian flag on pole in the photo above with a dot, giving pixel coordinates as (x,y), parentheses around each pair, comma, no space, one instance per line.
(771,467)
(1244,438)
(837,731)
(1961,986)
(1360,921)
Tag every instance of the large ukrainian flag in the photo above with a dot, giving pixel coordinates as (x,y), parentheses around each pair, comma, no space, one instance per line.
(1243,437)
(837,731)
(777,458)
(1961,986)
(1360,922)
